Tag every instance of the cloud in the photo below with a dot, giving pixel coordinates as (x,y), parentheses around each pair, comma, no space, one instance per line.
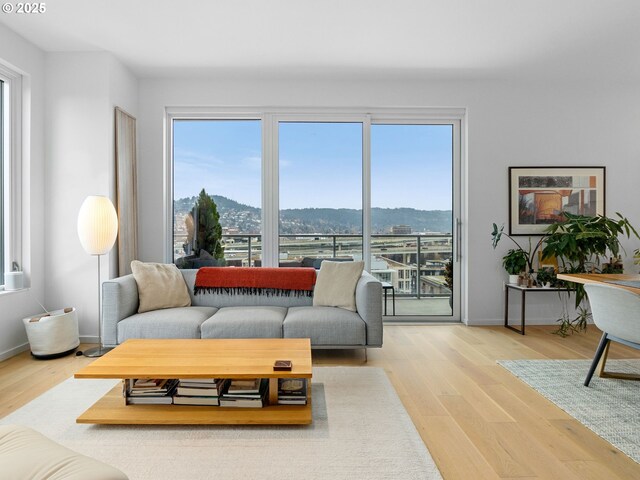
(190,157)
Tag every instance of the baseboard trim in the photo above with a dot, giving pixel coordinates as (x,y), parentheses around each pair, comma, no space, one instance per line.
(534,322)
(14,351)
(91,339)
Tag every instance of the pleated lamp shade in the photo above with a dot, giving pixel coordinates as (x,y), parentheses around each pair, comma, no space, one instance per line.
(97,225)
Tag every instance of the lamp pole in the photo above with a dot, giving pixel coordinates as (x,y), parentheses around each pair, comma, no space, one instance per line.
(99,350)
(97,229)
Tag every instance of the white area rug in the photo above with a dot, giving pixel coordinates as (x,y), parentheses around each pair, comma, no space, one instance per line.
(360,431)
(609,407)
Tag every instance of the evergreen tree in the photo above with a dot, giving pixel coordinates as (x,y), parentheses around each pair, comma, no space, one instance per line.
(208,228)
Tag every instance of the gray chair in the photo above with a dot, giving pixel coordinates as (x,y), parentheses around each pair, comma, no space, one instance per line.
(617,313)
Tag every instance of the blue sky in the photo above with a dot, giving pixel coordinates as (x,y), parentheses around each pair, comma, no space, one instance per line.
(320,163)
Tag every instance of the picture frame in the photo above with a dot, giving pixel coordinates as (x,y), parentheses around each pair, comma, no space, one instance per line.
(539,196)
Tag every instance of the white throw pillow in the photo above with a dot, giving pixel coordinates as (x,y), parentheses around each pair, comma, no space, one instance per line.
(159,286)
(336,284)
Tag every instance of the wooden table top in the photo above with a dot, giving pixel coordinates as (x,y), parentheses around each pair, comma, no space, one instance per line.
(603,278)
(202,358)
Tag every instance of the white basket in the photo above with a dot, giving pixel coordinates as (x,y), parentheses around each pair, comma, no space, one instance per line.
(53,334)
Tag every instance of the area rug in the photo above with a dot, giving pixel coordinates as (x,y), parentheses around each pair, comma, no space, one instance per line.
(360,430)
(609,407)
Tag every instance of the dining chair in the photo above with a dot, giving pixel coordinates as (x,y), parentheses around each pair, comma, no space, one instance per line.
(616,312)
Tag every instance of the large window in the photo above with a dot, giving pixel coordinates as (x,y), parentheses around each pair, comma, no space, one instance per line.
(10,171)
(290,187)
(3,189)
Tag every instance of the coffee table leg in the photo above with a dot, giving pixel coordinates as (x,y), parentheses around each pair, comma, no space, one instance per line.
(273,391)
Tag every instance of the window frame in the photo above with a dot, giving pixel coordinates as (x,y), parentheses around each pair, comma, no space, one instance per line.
(11,229)
(272,116)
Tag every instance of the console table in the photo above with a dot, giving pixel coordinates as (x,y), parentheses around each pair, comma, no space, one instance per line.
(523,297)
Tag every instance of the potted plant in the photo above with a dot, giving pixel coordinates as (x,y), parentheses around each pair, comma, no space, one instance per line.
(546,277)
(513,260)
(448,279)
(579,243)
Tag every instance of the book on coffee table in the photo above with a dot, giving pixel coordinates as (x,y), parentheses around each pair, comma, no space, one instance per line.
(195,400)
(249,385)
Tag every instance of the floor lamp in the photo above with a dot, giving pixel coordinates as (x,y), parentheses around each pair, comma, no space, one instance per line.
(97,229)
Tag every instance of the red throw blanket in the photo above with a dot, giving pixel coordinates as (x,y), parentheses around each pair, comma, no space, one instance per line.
(284,281)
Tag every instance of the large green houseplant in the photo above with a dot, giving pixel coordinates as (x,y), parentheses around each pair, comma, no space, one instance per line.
(579,243)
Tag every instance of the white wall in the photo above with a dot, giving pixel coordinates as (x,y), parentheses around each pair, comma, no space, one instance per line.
(22,56)
(510,123)
(82,90)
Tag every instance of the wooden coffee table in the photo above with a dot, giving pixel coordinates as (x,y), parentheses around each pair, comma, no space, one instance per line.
(199,358)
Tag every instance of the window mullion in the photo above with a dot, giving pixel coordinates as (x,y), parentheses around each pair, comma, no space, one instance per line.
(366,192)
(270,186)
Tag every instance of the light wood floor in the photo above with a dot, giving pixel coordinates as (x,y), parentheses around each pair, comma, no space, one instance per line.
(478,421)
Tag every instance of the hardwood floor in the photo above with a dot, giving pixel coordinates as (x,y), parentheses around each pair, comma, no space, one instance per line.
(478,420)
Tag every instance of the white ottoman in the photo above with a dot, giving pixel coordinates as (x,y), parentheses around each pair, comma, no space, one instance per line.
(27,454)
(53,335)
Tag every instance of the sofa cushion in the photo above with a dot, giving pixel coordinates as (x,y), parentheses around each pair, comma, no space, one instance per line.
(245,322)
(182,322)
(325,326)
(159,286)
(336,284)
(25,453)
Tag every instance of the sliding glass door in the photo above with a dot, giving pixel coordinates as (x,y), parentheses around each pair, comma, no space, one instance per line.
(287,188)
(412,216)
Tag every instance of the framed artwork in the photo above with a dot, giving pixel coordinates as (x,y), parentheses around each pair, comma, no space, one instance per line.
(539,196)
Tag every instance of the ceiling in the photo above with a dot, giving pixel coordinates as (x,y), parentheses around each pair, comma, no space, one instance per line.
(562,39)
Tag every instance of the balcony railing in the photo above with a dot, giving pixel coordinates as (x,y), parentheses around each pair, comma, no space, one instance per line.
(413,264)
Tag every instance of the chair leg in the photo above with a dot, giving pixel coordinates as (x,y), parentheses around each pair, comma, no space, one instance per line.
(603,361)
(604,341)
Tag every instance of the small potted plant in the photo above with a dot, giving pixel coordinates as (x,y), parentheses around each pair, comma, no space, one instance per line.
(512,261)
(515,262)
(546,277)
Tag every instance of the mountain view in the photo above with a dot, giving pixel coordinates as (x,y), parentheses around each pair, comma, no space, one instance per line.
(323,220)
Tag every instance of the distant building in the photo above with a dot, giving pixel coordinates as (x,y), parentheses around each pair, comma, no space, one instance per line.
(401,229)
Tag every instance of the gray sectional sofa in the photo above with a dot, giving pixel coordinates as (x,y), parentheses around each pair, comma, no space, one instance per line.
(222,315)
